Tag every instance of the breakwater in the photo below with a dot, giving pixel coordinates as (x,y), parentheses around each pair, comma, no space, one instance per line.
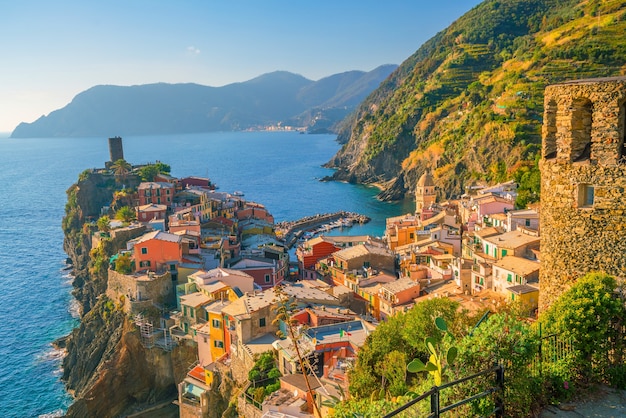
(290,231)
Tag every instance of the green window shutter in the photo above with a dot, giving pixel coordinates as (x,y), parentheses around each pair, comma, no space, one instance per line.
(503,253)
(509,278)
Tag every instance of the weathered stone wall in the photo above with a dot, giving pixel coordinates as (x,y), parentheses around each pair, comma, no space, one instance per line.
(578,236)
(158,290)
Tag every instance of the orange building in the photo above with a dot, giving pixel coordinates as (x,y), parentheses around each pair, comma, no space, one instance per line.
(158,251)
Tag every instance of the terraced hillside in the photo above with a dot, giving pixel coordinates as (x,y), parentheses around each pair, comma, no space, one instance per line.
(469,103)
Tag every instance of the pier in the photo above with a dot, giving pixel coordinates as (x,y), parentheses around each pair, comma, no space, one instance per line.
(290,231)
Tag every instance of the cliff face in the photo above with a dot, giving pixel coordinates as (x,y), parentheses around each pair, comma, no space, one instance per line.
(106,368)
(110,371)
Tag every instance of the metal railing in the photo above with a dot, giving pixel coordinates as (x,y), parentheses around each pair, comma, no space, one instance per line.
(435,407)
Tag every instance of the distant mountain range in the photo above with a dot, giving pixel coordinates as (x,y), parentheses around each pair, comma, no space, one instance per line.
(278,98)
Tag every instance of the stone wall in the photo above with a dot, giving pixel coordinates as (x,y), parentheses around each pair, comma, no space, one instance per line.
(151,289)
(583,184)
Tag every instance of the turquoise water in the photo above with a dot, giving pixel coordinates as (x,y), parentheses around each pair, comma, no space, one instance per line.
(278,169)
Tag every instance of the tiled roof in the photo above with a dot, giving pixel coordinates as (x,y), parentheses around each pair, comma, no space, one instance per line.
(520,289)
(194,299)
(513,239)
(399,285)
(517,265)
(159,235)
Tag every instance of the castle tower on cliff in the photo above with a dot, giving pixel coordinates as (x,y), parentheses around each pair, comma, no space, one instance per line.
(425,194)
(583,183)
(116,150)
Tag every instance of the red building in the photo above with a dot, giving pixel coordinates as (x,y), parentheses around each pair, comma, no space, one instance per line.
(157,193)
(203,182)
(310,252)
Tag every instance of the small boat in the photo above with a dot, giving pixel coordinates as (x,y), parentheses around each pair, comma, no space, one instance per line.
(237,193)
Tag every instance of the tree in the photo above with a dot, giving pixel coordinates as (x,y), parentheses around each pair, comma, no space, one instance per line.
(125,214)
(588,313)
(283,310)
(121,168)
(123,264)
(104,223)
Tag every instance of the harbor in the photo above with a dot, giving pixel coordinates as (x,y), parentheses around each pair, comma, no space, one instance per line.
(308,227)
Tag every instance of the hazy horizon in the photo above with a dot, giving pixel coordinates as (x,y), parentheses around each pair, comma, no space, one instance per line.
(59,49)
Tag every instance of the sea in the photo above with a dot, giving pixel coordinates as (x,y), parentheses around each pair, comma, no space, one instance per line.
(281,170)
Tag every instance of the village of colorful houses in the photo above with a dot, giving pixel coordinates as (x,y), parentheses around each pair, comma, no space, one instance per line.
(218,259)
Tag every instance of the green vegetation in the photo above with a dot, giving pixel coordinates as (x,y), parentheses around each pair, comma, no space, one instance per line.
(104,224)
(584,345)
(125,214)
(263,377)
(123,264)
(469,103)
(437,362)
(121,169)
(592,316)
(149,171)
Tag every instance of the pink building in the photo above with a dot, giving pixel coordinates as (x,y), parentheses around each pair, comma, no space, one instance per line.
(146,213)
(157,193)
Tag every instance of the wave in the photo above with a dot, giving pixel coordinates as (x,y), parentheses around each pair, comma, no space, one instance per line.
(74,308)
(54,414)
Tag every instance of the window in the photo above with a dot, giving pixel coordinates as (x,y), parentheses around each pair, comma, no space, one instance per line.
(504,252)
(262,322)
(216,323)
(527,222)
(218,344)
(145,263)
(549,144)
(509,278)
(582,121)
(184,310)
(586,194)
(144,250)
(267,278)
(191,312)
(172,267)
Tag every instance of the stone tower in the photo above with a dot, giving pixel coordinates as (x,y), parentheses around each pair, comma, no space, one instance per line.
(425,194)
(583,183)
(116,150)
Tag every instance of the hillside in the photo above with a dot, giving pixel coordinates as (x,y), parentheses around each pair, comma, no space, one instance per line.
(270,99)
(469,103)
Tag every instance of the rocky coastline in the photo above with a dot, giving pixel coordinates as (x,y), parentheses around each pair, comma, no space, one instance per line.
(106,368)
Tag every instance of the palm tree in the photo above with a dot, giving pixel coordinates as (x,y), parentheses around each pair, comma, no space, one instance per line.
(104,223)
(125,214)
(121,168)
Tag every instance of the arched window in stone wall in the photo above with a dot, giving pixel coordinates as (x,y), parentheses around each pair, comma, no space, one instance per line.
(549,141)
(582,116)
(621,128)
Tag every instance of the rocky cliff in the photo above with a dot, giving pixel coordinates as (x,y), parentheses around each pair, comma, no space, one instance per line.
(106,368)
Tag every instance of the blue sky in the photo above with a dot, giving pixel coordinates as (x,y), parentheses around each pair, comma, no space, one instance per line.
(52,50)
